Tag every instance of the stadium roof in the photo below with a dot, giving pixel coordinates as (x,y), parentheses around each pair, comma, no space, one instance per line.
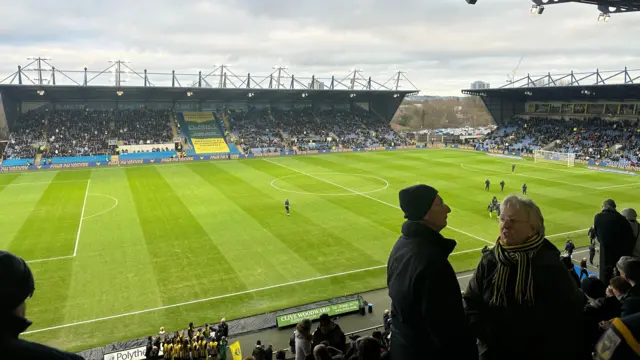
(588,86)
(108,93)
(120,76)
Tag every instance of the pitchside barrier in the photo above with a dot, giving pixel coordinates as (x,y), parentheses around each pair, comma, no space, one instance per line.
(134,349)
(84,164)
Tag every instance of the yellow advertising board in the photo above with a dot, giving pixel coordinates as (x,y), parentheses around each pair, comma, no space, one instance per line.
(198,117)
(210,145)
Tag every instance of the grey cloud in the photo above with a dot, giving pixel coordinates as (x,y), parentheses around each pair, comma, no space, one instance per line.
(444,45)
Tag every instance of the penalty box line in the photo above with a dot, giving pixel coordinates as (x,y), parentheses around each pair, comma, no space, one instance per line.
(369,197)
(75,248)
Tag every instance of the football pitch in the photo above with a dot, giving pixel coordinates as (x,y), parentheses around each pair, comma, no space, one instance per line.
(119,252)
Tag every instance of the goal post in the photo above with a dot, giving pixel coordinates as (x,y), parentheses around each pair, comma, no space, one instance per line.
(553,157)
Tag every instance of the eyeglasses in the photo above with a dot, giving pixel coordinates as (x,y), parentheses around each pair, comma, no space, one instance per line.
(510,220)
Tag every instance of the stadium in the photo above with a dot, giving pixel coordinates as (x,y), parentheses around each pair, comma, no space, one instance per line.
(152,205)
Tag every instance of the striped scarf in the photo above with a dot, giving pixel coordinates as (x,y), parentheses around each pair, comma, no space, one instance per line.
(519,258)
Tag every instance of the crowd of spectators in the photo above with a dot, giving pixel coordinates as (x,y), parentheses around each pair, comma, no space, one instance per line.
(274,130)
(593,138)
(29,130)
(137,127)
(85,132)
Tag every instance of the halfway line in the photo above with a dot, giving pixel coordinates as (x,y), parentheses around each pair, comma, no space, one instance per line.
(368,197)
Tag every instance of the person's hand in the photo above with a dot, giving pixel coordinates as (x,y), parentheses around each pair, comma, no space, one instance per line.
(609,292)
(605,325)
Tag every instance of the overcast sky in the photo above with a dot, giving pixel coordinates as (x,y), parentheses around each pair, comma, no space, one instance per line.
(443,45)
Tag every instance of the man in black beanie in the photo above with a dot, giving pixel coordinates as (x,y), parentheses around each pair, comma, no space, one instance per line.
(428,316)
(16,286)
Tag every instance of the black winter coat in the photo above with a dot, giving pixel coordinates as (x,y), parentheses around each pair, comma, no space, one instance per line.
(428,316)
(616,240)
(550,329)
(630,302)
(16,349)
(335,337)
(602,309)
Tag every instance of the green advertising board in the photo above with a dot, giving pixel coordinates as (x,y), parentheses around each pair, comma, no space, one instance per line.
(314,314)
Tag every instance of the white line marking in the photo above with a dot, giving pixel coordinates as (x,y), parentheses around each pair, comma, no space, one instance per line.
(84,204)
(39,182)
(368,197)
(226,296)
(104,211)
(50,259)
(386,184)
(617,186)
(568,232)
(236,294)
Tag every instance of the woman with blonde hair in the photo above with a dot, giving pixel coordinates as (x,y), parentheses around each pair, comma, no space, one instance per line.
(303,339)
(521,290)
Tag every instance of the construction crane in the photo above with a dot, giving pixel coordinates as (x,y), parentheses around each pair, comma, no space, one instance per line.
(512,77)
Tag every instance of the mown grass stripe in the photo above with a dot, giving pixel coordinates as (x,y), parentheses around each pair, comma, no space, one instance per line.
(186,261)
(314,242)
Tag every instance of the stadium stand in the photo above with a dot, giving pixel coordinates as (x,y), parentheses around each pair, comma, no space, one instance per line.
(593,138)
(274,130)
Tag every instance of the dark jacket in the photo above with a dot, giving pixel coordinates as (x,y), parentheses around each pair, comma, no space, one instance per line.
(268,353)
(10,327)
(550,329)
(428,316)
(335,337)
(223,330)
(258,353)
(616,240)
(602,309)
(630,302)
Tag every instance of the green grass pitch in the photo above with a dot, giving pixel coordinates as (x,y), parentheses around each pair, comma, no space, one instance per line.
(163,245)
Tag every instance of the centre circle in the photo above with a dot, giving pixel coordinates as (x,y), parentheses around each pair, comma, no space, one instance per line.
(330,179)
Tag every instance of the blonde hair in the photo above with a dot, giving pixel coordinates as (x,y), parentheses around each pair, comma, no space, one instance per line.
(533,212)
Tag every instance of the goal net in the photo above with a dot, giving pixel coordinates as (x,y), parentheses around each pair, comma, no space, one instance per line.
(553,157)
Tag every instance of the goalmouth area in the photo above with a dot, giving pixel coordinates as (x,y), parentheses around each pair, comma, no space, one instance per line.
(118,252)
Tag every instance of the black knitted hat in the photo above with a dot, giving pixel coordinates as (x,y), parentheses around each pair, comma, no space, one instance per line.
(416,201)
(16,282)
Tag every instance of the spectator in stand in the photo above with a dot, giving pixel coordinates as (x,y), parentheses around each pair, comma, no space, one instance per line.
(321,352)
(615,236)
(258,351)
(302,337)
(428,317)
(521,289)
(600,307)
(369,349)
(583,269)
(16,286)
(630,270)
(281,355)
(632,217)
(385,320)
(268,352)
(329,331)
